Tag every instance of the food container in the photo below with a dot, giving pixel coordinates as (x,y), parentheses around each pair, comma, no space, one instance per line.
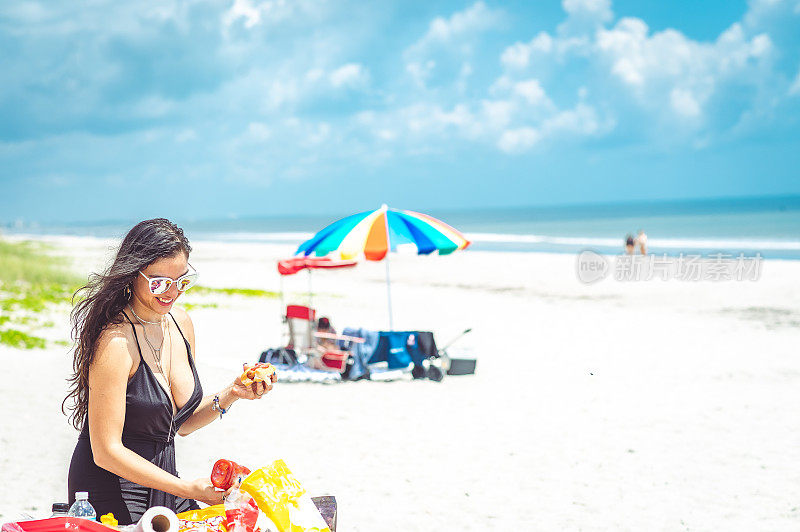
(57,524)
(226,473)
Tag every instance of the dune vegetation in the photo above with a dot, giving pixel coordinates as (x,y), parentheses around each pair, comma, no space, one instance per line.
(35,282)
(32,282)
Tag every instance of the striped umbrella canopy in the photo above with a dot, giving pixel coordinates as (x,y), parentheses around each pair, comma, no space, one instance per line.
(375,233)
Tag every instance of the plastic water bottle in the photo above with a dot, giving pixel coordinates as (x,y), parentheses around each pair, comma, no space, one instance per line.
(81,507)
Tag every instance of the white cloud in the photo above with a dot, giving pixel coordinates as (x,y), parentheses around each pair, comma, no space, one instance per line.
(518,140)
(386,134)
(243,9)
(595,9)
(319,134)
(684,102)
(463,77)
(510,122)
(497,114)
(669,67)
(666,73)
(531,91)
(420,72)
(351,75)
(257,12)
(518,55)
(583,18)
(638,58)
(625,45)
(449,42)
(475,19)
(459,117)
(580,121)
(281,92)
(417,124)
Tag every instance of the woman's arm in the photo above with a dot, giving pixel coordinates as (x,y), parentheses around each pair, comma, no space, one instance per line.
(108,381)
(203,414)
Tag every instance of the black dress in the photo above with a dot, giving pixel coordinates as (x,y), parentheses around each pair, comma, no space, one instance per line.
(146,432)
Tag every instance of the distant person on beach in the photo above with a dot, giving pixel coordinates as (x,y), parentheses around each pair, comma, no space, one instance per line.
(135,385)
(322,345)
(641,241)
(630,244)
(325,344)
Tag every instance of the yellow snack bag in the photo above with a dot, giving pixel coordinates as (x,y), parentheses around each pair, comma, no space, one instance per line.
(282,497)
(209,519)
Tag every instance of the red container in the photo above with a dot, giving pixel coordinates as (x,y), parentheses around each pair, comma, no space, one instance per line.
(226,473)
(57,524)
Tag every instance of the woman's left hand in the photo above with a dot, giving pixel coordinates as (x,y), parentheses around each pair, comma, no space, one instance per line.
(257,390)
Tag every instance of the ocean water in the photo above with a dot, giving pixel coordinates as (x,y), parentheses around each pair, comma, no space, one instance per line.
(767,226)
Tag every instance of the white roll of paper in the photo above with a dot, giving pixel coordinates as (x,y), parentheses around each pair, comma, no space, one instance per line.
(157,519)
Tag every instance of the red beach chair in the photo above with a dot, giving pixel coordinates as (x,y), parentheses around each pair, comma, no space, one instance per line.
(301,322)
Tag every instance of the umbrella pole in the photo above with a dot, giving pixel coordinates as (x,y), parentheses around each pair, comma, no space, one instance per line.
(310,297)
(389,293)
(283,301)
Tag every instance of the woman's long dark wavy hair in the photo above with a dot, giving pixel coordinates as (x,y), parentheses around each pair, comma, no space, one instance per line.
(106,296)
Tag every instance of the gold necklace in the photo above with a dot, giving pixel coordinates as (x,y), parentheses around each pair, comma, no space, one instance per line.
(145,321)
(156,350)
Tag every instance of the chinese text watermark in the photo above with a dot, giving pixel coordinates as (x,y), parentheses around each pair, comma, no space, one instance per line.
(592,267)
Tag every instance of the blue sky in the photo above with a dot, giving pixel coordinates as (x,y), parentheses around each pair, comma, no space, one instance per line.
(124,110)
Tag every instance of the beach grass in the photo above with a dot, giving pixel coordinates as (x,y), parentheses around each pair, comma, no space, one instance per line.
(21,340)
(203,297)
(247,292)
(30,262)
(32,280)
(35,280)
(194,306)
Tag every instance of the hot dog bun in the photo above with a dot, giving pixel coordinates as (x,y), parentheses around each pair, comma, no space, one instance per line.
(258,372)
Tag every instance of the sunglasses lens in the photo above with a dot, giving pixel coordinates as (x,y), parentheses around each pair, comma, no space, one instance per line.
(186,282)
(159,285)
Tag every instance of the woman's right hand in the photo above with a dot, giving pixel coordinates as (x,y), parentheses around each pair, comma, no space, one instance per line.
(204,491)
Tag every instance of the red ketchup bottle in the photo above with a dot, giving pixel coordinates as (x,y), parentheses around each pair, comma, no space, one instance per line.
(226,473)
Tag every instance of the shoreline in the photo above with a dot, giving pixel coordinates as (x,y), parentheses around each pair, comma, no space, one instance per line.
(670,247)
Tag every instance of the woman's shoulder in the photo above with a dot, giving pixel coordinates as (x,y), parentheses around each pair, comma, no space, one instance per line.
(117,341)
(182,317)
(180,313)
(185,323)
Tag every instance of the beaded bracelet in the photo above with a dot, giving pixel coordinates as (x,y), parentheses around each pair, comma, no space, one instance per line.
(215,407)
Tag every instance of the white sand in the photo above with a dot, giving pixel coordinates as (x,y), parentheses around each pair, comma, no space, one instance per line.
(614,406)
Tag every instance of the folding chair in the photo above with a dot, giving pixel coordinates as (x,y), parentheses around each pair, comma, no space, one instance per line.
(301,322)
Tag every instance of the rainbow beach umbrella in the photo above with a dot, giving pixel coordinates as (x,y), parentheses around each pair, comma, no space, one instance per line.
(373,234)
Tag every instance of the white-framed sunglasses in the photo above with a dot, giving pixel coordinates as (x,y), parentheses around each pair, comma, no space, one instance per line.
(159,285)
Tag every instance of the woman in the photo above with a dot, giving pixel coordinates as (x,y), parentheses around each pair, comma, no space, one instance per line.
(641,241)
(135,384)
